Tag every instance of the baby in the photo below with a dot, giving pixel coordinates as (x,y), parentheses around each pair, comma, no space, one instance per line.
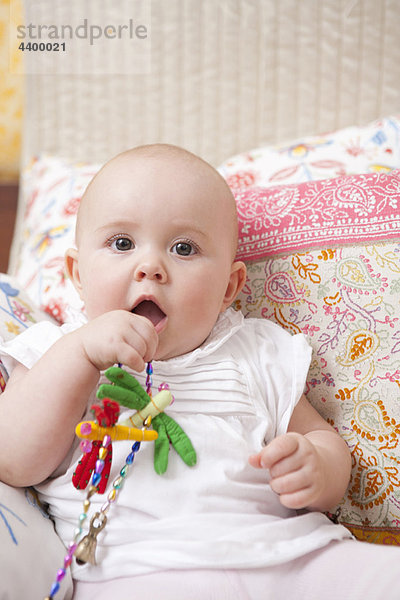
(155,265)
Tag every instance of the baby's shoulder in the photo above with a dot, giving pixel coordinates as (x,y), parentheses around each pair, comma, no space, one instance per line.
(265,329)
(263,339)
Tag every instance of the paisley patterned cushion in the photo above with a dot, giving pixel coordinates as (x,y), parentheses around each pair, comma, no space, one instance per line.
(346,301)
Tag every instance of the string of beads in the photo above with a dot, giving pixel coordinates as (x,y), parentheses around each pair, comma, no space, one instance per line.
(99,519)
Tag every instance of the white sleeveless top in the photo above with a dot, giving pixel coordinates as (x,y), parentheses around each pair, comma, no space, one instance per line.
(233,395)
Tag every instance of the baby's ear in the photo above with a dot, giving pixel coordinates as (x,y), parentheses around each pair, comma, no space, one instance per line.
(237,280)
(71,266)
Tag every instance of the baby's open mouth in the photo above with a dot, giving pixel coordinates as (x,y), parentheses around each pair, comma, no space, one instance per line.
(150,310)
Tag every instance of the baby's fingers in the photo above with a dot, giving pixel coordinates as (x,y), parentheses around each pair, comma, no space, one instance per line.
(142,329)
(297,489)
(298,499)
(290,483)
(277,450)
(130,357)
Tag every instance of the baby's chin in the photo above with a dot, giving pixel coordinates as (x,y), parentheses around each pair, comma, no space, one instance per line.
(163,352)
(167,349)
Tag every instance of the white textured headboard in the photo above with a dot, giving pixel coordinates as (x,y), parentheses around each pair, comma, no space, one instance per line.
(226,76)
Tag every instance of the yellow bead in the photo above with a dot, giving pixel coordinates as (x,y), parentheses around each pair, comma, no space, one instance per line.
(103,453)
(112,495)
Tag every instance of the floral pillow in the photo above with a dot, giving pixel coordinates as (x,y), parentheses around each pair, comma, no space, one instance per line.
(325,261)
(374,148)
(17,312)
(53,189)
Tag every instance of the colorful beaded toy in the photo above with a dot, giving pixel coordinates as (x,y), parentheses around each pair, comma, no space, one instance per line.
(96,444)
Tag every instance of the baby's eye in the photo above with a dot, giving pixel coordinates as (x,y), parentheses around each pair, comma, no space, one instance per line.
(184,248)
(121,244)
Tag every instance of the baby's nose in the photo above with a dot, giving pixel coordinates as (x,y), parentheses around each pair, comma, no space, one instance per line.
(150,271)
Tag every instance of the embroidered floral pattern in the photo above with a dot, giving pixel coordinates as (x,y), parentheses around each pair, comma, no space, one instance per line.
(317,213)
(54,189)
(17,311)
(374,148)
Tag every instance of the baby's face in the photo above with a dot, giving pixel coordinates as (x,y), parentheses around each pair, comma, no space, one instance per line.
(157,238)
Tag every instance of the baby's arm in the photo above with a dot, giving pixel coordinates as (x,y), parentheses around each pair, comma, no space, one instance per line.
(40,407)
(310,465)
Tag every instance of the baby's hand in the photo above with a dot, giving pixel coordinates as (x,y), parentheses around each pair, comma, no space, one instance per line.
(296,469)
(118,336)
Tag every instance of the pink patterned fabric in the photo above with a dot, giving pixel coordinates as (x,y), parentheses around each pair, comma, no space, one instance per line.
(344,210)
